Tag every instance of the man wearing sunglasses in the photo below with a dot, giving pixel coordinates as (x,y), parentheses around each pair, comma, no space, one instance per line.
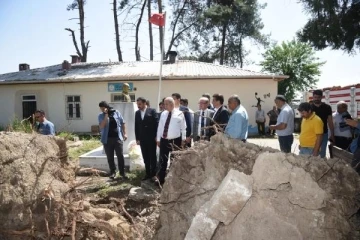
(44,126)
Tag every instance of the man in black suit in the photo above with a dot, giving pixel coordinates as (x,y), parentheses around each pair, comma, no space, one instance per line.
(146,123)
(221,115)
(185,110)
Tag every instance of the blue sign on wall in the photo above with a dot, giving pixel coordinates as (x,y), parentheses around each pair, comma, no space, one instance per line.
(117,87)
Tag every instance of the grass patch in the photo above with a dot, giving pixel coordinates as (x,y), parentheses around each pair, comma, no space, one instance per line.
(66,135)
(75,153)
(117,189)
(88,137)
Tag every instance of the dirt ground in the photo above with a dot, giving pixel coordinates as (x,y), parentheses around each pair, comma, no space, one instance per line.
(274,143)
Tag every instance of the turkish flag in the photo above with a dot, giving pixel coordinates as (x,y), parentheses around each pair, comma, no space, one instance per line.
(158,19)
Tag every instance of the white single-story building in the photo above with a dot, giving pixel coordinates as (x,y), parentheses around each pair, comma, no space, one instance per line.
(70,97)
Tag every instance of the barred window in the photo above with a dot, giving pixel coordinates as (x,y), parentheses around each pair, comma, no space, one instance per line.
(73,107)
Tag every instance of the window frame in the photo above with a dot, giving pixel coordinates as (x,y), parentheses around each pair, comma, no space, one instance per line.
(74,107)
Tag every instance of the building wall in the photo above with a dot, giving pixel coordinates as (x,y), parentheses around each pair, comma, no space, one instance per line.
(51,97)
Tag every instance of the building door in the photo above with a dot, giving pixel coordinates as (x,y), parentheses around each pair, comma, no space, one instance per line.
(28,106)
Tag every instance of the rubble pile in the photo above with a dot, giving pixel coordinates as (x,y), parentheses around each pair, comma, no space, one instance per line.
(39,197)
(227,189)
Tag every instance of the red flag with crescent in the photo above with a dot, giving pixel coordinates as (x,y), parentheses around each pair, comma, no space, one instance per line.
(158,19)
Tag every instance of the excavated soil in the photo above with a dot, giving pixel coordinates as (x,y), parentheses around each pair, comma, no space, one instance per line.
(276,195)
(292,197)
(40,198)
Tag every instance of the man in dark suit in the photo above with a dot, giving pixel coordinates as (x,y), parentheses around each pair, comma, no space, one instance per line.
(202,120)
(185,110)
(221,115)
(146,123)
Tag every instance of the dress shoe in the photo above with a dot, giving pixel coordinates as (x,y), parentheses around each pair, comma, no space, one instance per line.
(112,176)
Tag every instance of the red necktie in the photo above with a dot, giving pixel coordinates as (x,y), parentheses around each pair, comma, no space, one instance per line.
(166,127)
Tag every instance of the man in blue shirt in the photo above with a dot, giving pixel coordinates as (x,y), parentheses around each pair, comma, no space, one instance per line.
(237,126)
(113,134)
(45,127)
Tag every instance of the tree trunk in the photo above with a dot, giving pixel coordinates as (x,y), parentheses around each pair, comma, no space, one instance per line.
(222,50)
(84,46)
(117,36)
(150,32)
(161,29)
(241,53)
(74,41)
(137,49)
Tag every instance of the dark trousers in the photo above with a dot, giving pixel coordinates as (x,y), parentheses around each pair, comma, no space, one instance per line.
(166,146)
(148,149)
(115,144)
(272,132)
(343,142)
(285,143)
(261,128)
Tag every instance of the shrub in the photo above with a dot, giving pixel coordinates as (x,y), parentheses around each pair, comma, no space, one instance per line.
(18,125)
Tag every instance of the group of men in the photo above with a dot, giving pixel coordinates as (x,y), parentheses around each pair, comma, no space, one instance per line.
(319,125)
(260,119)
(316,117)
(174,128)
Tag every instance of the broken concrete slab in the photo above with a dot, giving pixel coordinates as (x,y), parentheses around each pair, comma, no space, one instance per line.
(269,172)
(305,191)
(292,197)
(231,196)
(202,226)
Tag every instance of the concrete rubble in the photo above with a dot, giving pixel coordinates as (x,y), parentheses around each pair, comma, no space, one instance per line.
(227,189)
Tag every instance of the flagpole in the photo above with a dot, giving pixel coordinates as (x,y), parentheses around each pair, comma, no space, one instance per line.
(161,62)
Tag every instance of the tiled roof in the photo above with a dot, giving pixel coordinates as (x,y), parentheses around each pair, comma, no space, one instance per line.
(134,71)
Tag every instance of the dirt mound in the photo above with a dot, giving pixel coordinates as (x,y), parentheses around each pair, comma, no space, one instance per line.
(230,190)
(39,197)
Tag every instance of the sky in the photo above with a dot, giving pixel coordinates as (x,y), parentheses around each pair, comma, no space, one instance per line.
(34,34)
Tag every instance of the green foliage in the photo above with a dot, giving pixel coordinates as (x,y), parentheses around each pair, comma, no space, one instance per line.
(332,24)
(2,128)
(86,146)
(216,29)
(66,135)
(75,5)
(298,61)
(18,125)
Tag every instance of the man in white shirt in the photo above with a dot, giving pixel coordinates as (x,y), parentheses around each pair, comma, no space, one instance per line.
(260,120)
(342,131)
(202,120)
(171,134)
(285,124)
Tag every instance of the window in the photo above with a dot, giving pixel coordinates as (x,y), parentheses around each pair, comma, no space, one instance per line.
(118,97)
(73,107)
(28,105)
